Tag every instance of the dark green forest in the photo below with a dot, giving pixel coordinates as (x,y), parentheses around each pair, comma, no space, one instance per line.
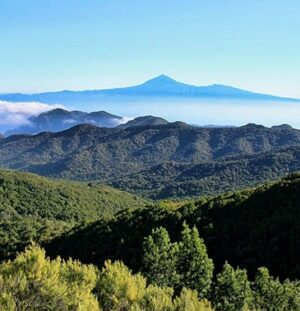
(251,228)
(172,160)
(235,251)
(36,208)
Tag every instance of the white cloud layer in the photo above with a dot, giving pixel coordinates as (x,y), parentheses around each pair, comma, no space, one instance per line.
(16,114)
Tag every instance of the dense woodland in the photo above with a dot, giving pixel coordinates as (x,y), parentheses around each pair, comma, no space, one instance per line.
(36,208)
(236,251)
(172,160)
(252,228)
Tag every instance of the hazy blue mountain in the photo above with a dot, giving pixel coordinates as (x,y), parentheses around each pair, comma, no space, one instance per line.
(282,126)
(59,119)
(161,86)
(212,125)
(143,121)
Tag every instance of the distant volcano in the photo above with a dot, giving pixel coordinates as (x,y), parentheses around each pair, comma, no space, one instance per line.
(161,86)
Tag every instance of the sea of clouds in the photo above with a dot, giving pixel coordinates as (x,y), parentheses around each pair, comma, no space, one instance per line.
(15,114)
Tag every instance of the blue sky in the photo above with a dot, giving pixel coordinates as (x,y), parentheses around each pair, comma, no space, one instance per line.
(91,44)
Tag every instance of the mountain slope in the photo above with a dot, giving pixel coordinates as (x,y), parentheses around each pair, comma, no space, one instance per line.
(33,208)
(172,160)
(180,180)
(143,121)
(252,228)
(28,195)
(156,87)
(86,152)
(59,119)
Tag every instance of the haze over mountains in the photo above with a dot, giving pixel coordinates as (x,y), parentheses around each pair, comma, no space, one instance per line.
(148,155)
(161,96)
(59,119)
(161,86)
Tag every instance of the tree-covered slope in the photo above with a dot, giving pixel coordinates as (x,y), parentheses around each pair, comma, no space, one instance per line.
(24,194)
(252,228)
(180,180)
(38,209)
(159,161)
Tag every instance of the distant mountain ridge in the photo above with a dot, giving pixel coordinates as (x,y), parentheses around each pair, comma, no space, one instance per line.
(143,121)
(57,120)
(159,161)
(161,86)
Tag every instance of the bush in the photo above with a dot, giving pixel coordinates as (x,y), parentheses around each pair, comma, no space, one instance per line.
(34,282)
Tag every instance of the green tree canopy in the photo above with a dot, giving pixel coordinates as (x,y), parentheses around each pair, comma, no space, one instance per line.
(195,267)
(34,282)
(160,258)
(232,289)
(272,295)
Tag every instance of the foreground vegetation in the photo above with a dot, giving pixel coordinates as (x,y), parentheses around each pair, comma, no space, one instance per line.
(181,282)
(233,252)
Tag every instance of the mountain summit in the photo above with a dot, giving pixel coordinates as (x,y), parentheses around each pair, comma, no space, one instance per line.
(160,80)
(165,86)
(160,86)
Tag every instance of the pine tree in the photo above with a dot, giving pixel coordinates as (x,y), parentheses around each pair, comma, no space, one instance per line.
(232,290)
(160,259)
(155,299)
(272,295)
(194,266)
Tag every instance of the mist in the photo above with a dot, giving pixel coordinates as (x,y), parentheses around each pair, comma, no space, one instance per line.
(200,112)
(204,112)
(13,115)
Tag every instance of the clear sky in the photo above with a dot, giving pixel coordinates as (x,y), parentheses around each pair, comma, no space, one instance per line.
(94,44)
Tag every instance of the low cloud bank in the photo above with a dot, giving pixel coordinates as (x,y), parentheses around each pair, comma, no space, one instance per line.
(123,120)
(16,114)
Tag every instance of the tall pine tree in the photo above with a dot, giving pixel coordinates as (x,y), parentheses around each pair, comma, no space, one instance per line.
(194,265)
(232,290)
(160,259)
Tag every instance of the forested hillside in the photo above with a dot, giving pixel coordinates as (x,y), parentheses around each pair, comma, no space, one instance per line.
(159,161)
(180,180)
(219,253)
(24,194)
(33,207)
(252,228)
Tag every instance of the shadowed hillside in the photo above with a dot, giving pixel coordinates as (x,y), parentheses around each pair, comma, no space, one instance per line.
(159,161)
(252,228)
